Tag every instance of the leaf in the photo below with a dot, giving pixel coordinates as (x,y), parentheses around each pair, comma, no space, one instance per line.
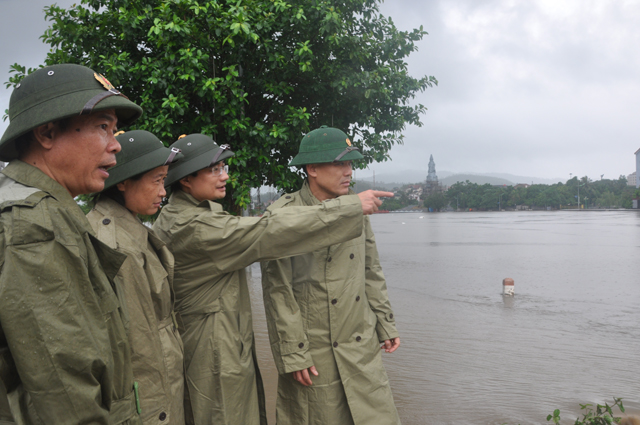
(179,60)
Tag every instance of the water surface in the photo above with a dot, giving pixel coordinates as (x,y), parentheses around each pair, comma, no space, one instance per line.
(470,356)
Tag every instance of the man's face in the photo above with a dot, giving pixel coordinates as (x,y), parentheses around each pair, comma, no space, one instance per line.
(81,154)
(330,180)
(209,184)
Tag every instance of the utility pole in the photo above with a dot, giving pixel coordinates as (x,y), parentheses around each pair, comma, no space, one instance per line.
(579,192)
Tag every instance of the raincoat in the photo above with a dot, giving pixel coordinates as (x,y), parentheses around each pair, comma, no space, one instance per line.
(64,353)
(211,250)
(330,309)
(147,277)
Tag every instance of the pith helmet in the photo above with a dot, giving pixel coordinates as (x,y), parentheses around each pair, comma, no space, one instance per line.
(141,152)
(199,152)
(60,91)
(325,144)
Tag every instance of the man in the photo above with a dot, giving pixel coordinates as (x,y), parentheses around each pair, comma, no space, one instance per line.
(64,354)
(211,250)
(328,310)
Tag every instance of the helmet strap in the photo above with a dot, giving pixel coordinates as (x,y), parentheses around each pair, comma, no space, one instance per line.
(346,151)
(88,107)
(172,155)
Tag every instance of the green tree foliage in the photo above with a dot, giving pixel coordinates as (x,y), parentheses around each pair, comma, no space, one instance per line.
(256,74)
(400,200)
(436,201)
(593,194)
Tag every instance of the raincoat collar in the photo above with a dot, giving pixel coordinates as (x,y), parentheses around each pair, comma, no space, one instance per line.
(182,199)
(307,196)
(124,219)
(130,223)
(29,175)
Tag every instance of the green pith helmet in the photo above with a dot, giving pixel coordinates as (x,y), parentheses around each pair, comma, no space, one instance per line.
(199,152)
(325,144)
(141,152)
(57,92)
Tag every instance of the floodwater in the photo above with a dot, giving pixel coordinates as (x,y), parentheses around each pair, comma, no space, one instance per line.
(471,356)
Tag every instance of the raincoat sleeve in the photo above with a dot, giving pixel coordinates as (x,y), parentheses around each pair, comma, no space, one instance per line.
(289,343)
(236,242)
(376,287)
(52,321)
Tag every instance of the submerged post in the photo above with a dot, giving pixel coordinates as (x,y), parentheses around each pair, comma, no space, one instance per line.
(507,286)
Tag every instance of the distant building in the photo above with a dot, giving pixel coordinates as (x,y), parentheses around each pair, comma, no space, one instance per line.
(432,186)
(637,167)
(521,185)
(631,179)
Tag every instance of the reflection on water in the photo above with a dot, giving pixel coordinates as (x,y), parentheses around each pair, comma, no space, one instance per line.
(471,356)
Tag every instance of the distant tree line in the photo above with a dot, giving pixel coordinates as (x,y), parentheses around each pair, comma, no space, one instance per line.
(593,194)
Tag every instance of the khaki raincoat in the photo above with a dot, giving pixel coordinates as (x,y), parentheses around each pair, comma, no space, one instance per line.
(211,249)
(330,309)
(146,277)
(64,353)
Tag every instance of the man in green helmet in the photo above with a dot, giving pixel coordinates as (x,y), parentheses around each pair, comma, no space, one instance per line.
(211,250)
(334,301)
(64,353)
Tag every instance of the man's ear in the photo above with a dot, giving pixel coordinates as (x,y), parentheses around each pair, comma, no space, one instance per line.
(312,170)
(45,134)
(186,183)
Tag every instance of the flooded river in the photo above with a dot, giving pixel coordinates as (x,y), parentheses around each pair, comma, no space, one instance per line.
(469,356)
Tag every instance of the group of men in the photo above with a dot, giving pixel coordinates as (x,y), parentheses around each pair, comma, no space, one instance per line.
(64,352)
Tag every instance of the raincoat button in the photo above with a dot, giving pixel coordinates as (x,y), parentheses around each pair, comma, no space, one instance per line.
(334,301)
(335,344)
(301,345)
(162,416)
(329,260)
(287,197)
(358,298)
(351,256)
(358,338)
(391,316)
(106,221)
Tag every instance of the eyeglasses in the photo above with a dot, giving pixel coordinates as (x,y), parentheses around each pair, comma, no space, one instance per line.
(218,169)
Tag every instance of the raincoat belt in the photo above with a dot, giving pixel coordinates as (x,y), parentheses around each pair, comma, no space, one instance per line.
(124,409)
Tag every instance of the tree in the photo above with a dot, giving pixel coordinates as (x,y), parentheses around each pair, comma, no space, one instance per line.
(257,74)
(436,201)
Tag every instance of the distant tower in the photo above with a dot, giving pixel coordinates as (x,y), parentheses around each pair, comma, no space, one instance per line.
(432,185)
(431,176)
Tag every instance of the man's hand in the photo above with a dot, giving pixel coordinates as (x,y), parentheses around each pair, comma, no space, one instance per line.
(390,345)
(303,377)
(370,202)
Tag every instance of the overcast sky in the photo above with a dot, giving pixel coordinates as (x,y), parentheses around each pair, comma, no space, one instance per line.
(539,88)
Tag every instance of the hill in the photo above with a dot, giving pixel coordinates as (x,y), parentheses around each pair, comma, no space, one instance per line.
(448,178)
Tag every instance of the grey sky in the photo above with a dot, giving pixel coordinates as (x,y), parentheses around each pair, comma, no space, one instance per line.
(537,87)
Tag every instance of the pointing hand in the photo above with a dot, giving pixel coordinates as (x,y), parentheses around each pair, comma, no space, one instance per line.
(370,202)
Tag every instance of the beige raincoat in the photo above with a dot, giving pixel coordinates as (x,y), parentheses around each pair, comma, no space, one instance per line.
(330,309)
(211,249)
(64,353)
(146,277)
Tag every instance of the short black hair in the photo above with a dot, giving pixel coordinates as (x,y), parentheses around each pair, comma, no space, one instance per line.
(116,194)
(178,186)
